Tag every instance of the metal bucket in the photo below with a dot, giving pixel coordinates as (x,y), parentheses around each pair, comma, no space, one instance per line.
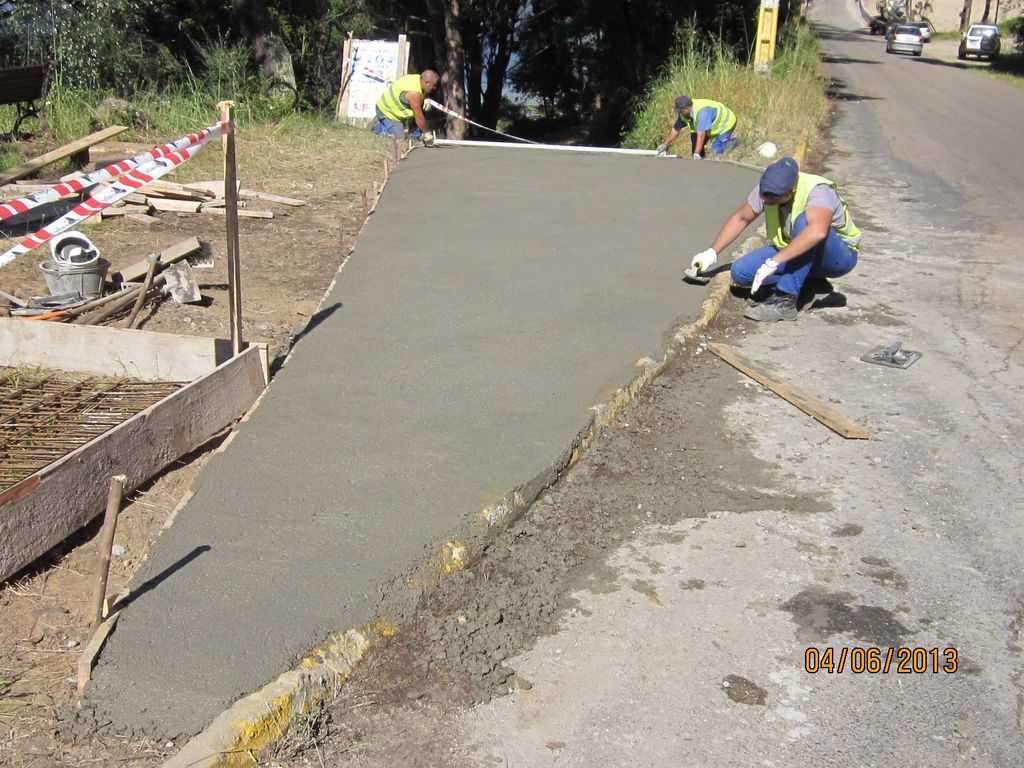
(86,279)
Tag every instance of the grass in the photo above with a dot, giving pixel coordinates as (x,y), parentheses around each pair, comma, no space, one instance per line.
(784,105)
(262,144)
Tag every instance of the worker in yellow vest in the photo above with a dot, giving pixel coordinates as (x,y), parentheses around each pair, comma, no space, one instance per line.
(404,99)
(710,123)
(811,236)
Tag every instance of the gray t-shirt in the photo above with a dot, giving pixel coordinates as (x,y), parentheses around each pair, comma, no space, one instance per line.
(822,196)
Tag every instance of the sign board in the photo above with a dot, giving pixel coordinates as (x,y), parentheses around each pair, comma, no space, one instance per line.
(368,68)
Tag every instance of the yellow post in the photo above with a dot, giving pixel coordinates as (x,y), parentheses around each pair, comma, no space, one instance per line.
(767,27)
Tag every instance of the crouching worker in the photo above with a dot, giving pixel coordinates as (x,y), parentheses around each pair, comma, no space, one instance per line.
(402,100)
(811,236)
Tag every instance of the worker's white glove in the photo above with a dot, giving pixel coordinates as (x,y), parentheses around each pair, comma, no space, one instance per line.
(428,139)
(662,149)
(696,156)
(765,271)
(704,260)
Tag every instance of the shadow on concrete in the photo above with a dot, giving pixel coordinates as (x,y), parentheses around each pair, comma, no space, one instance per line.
(150,584)
(836,90)
(846,60)
(314,321)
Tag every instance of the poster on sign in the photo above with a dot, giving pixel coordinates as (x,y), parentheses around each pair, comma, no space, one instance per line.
(374,65)
(368,67)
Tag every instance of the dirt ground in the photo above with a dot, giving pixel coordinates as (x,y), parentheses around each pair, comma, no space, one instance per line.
(287,263)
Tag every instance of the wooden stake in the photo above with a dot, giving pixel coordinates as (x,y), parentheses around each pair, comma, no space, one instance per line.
(227,114)
(366,207)
(106,545)
(809,404)
(154,259)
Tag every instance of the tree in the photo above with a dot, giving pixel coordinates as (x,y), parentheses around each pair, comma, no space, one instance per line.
(263,33)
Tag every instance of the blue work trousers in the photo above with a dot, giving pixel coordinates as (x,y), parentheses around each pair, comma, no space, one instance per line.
(832,257)
(385,126)
(723,142)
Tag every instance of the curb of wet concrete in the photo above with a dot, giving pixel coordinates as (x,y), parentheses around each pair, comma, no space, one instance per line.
(258,720)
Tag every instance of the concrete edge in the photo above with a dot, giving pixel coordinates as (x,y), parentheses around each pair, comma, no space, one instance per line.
(235,737)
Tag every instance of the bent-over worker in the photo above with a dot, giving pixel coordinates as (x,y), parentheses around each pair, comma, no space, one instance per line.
(811,235)
(402,100)
(706,120)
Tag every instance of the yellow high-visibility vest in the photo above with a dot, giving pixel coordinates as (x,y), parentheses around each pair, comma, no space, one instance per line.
(725,120)
(390,102)
(804,184)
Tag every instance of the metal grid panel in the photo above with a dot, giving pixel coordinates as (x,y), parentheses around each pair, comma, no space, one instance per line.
(45,415)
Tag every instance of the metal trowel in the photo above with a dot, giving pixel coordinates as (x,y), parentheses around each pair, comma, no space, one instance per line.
(697,278)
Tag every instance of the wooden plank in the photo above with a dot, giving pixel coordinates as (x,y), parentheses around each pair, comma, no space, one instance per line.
(176,252)
(271,198)
(144,218)
(174,206)
(31,166)
(122,210)
(73,490)
(807,403)
(243,213)
(105,351)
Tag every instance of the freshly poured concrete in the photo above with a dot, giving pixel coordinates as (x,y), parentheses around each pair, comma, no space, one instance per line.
(495,296)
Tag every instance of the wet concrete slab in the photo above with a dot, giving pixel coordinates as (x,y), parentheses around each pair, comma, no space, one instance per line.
(493,299)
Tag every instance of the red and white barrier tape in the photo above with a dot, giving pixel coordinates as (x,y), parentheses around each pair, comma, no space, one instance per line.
(465,119)
(135,179)
(57,191)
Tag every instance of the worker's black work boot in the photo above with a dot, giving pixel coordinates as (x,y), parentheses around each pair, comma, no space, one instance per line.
(778,306)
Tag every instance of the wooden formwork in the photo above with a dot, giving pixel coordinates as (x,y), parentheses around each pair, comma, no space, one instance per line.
(42,510)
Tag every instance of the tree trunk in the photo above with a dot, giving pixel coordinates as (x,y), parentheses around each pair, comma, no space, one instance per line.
(449,49)
(269,51)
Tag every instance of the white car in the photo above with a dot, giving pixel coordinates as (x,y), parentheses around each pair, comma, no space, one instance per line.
(981,40)
(924,26)
(904,38)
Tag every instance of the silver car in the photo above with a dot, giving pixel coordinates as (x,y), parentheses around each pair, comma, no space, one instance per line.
(904,38)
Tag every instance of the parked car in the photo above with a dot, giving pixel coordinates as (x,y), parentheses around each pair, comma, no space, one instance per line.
(878,25)
(903,38)
(981,40)
(925,27)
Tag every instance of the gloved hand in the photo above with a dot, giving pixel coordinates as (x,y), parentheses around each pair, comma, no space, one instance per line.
(704,260)
(428,139)
(696,156)
(662,149)
(764,271)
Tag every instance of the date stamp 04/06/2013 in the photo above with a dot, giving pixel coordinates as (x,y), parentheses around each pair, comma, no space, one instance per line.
(873,660)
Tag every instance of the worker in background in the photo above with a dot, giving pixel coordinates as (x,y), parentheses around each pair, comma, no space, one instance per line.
(811,235)
(709,122)
(404,99)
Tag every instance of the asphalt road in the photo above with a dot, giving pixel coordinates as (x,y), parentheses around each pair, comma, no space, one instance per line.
(690,649)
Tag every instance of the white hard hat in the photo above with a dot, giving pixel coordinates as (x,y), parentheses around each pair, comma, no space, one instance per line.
(768,149)
(73,248)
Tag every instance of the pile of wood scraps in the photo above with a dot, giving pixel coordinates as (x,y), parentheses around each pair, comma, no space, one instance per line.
(163,274)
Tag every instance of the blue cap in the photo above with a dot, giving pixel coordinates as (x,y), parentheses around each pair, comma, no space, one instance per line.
(780,177)
(682,102)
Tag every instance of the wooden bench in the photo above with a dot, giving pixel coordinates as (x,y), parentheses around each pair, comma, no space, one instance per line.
(25,88)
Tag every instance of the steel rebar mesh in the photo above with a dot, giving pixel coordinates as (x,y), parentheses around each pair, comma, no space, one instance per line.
(45,415)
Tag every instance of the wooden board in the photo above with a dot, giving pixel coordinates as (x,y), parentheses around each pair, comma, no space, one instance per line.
(809,404)
(30,167)
(106,351)
(137,271)
(46,508)
(243,213)
(271,198)
(178,206)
